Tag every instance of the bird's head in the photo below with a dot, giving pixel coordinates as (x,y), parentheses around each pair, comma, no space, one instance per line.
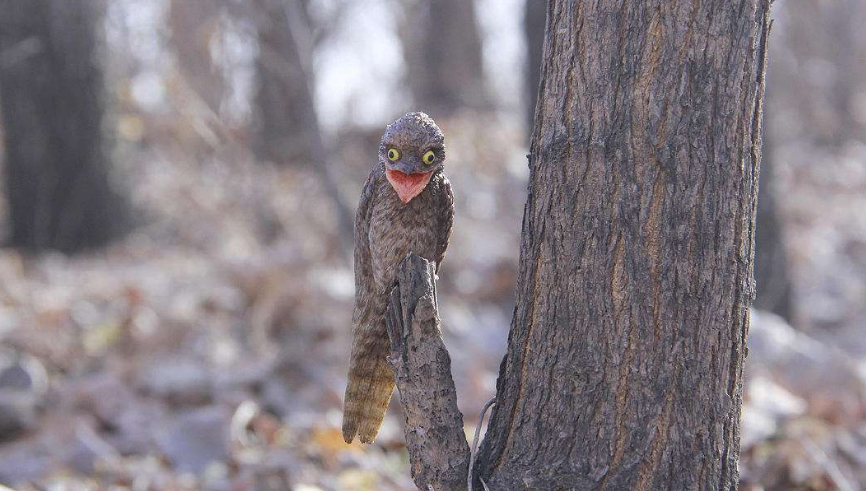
(412,150)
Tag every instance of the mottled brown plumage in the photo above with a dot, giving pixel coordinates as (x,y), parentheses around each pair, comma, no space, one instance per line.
(397,214)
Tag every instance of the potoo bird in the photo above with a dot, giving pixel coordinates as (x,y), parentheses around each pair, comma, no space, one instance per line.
(406,206)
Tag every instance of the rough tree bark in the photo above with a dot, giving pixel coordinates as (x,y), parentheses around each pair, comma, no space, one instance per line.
(625,356)
(56,172)
(442,48)
(437,445)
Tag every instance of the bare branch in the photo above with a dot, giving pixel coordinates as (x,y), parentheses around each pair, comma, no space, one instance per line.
(438,451)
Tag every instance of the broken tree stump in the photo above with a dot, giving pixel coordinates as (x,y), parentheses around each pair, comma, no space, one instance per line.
(438,451)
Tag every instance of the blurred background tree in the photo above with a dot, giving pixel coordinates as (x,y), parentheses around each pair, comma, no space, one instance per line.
(57,173)
(815,132)
(772,276)
(286,125)
(442,49)
(286,120)
(193,27)
(534,22)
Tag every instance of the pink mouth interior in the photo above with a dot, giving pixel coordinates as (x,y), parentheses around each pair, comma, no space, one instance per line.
(407,185)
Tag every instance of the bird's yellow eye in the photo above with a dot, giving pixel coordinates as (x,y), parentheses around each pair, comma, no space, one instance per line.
(429,157)
(393,154)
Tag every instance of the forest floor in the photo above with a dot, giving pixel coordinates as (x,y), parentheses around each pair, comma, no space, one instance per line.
(208,348)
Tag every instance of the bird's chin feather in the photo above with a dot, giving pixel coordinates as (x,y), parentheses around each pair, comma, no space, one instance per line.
(407,185)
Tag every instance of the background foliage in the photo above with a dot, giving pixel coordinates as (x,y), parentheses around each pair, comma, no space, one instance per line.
(206,348)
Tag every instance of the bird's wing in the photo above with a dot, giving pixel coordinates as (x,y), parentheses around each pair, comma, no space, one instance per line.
(371,380)
(363,260)
(446,214)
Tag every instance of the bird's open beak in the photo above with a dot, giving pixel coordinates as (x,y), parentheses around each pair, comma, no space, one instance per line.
(407,185)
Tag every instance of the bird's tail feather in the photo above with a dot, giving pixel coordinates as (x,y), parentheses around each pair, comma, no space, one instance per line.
(371,383)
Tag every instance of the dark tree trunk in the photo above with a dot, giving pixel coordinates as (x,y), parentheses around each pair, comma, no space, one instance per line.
(442,48)
(534,18)
(286,126)
(50,89)
(625,357)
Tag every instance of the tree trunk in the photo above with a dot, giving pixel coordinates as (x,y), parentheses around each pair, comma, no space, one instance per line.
(51,93)
(823,39)
(772,279)
(625,357)
(193,25)
(287,126)
(443,56)
(534,19)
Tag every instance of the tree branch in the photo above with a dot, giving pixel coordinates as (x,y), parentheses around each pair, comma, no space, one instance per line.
(438,451)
